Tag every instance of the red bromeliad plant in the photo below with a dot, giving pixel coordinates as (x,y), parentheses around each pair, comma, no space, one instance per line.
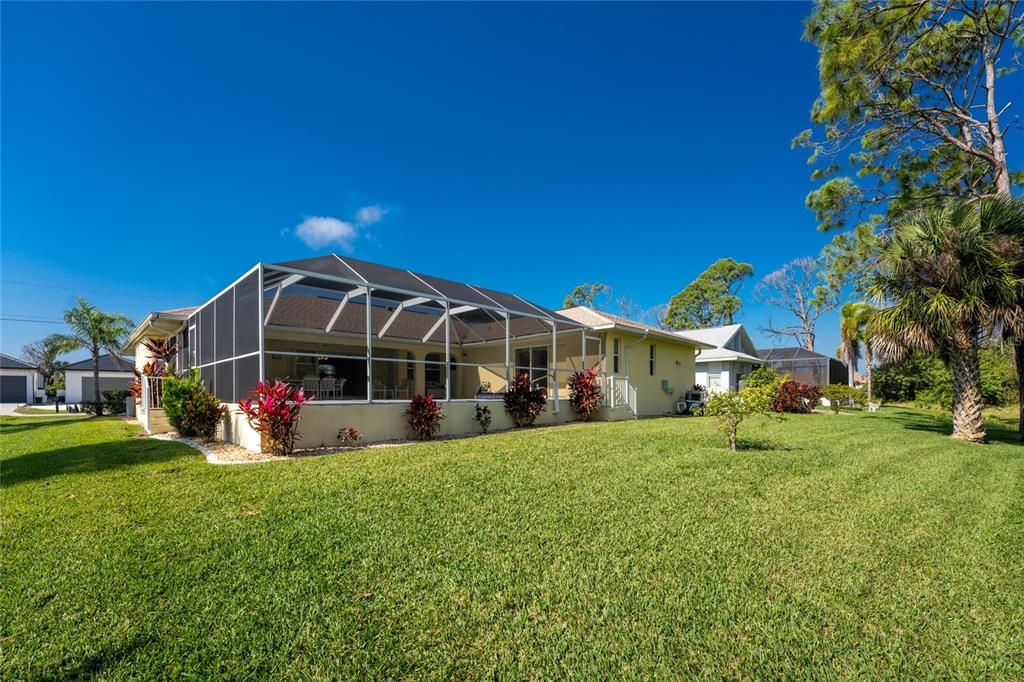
(424,416)
(585,393)
(273,410)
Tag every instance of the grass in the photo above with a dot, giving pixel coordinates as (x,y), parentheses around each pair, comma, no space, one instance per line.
(26,409)
(854,546)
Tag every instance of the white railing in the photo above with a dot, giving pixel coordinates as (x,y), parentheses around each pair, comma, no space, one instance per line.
(152,399)
(618,392)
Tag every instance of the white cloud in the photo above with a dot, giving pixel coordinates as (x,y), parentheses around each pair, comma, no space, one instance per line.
(369,215)
(320,231)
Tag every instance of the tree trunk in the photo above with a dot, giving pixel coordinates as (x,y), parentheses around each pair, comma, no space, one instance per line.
(96,374)
(732,437)
(851,357)
(867,364)
(968,423)
(1000,168)
(1018,360)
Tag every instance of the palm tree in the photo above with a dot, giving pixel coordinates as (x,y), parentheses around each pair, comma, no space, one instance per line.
(855,341)
(95,331)
(948,281)
(849,339)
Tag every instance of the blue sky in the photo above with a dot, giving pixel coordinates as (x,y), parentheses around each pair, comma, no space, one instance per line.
(524,147)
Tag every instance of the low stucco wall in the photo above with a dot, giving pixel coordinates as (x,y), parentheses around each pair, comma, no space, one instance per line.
(320,423)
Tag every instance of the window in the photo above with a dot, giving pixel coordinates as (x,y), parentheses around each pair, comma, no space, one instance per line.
(714,380)
(434,370)
(651,360)
(533,361)
(410,368)
(615,356)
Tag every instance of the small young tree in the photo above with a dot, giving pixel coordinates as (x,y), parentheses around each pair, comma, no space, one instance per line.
(732,409)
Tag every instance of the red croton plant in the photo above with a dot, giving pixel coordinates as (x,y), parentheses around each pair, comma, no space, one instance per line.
(424,415)
(150,369)
(585,393)
(273,411)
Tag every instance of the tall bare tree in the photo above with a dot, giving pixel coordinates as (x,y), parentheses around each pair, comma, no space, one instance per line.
(804,290)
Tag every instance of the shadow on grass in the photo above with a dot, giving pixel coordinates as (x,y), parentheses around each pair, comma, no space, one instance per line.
(9,424)
(94,457)
(761,444)
(91,666)
(997,430)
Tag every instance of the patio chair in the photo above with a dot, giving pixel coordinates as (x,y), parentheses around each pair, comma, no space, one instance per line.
(311,386)
(327,388)
(404,390)
(380,391)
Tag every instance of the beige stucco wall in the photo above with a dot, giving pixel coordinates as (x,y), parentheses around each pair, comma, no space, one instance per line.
(319,424)
(674,362)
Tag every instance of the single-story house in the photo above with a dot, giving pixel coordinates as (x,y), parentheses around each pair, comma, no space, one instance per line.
(658,365)
(732,358)
(805,366)
(18,380)
(79,380)
(363,338)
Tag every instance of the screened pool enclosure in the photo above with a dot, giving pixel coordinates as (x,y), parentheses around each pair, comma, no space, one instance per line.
(347,330)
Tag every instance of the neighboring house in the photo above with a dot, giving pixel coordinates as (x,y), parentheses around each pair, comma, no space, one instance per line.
(804,365)
(18,380)
(115,375)
(658,364)
(733,357)
(363,338)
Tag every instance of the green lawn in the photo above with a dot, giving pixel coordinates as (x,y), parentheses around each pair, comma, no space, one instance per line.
(831,546)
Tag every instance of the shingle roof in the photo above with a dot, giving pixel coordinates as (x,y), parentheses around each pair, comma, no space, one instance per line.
(108,363)
(599,318)
(7,362)
(184,312)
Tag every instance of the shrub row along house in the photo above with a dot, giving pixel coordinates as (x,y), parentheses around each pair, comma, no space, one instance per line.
(364,338)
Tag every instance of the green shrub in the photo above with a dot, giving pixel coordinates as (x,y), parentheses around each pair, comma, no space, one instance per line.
(92,407)
(923,378)
(176,391)
(762,376)
(189,407)
(114,401)
(201,413)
